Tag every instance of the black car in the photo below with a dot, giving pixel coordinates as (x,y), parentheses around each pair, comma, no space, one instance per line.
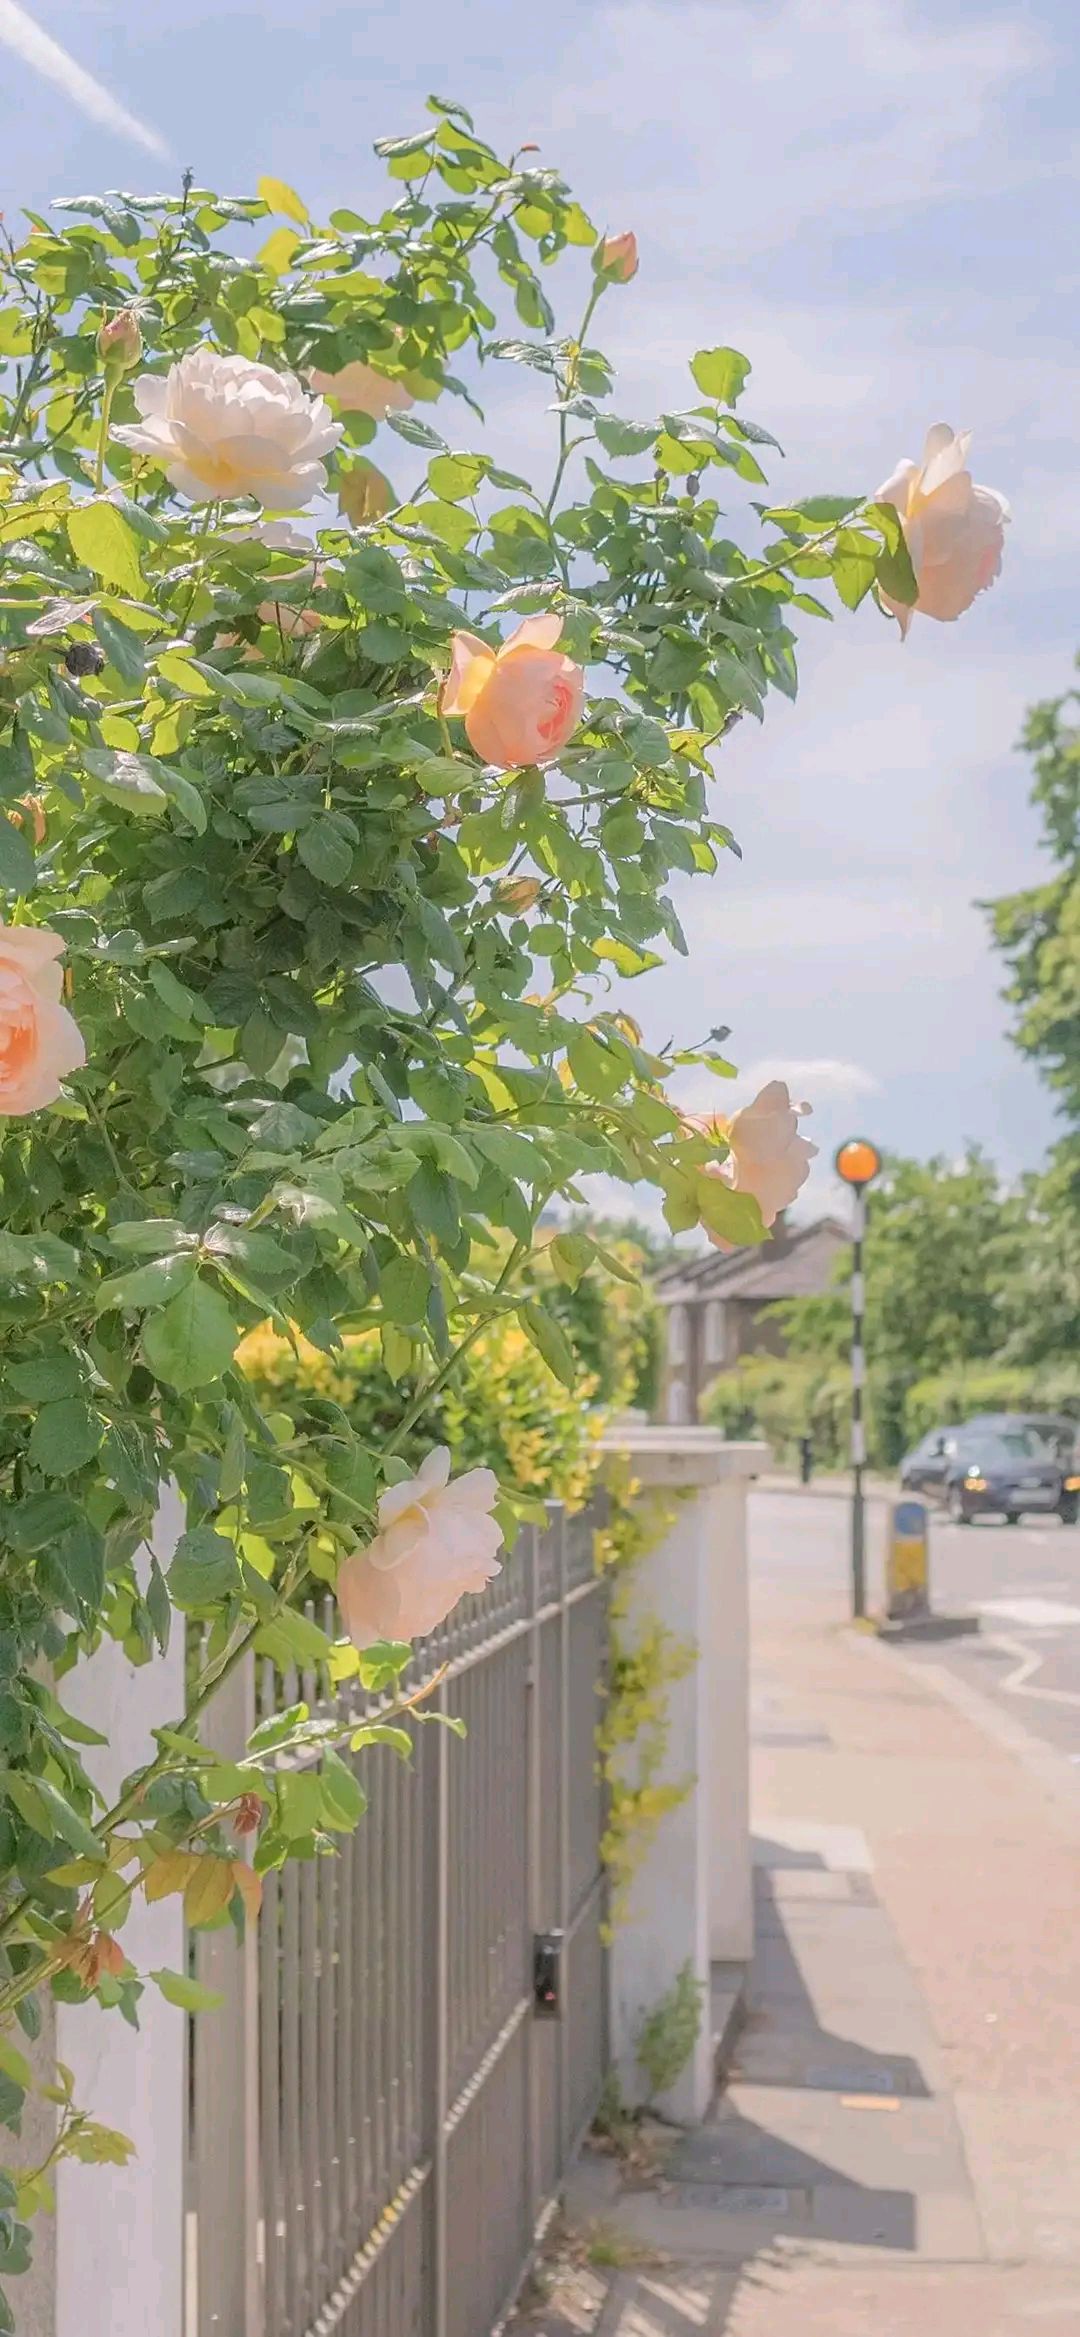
(1005,1472)
(924,1470)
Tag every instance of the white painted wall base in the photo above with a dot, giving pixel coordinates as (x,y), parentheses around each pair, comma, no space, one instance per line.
(119,2230)
(690,1901)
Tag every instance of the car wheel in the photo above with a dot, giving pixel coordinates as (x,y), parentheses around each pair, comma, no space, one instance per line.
(958,1509)
(1012,1517)
(1069,1509)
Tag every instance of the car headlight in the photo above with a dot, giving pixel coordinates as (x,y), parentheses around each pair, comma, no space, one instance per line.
(975,1484)
(1072,1484)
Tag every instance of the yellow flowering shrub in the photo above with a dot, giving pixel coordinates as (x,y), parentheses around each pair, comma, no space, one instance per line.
(504,1409)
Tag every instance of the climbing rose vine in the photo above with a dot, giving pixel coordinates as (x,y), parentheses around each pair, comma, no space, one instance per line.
(338,797)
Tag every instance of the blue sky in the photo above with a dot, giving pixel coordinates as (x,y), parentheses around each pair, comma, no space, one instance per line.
(874,200)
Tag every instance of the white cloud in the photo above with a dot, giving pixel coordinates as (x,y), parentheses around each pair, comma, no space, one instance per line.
(36,48)
(807,111)
(815,1078)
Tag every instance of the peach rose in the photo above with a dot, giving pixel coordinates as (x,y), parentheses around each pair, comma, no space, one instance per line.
(437,1539)
(40,1042)
(359,389)
(955,531)
(618,257)
(767,1157)
(520,703)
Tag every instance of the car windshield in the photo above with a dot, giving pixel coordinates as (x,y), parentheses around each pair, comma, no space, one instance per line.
(1009,1445)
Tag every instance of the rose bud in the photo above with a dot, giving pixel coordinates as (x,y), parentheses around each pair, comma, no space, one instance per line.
(119,342)
(617,257)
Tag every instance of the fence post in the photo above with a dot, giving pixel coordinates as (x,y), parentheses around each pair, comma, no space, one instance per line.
(690,1899)
(229,2254)
(120,2230)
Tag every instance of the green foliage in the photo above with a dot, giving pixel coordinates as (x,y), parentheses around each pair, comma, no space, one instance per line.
(670,2031)
(322,1087)
(503,1410)
(644,1660)
(947,1253)
(1038,931)
(965,1389)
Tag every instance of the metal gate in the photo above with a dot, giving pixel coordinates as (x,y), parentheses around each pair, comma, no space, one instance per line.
(380,2114)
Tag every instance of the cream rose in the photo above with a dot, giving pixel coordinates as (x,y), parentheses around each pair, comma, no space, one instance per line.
(766,1157)
(40,1042)
(224,426)
(359,389)
(955,531)
(522,702)
(437,1539)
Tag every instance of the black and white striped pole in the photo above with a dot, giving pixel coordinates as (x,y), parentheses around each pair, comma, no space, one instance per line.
(857,1163)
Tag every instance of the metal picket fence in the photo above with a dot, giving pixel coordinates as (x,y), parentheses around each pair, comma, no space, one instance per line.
(383,2109)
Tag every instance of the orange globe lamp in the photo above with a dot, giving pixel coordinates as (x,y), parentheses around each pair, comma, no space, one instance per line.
(858,1162)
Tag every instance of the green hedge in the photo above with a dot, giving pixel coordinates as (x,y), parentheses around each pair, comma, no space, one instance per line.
(786,1398)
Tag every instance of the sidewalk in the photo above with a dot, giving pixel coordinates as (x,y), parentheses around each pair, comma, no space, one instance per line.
(898,2151)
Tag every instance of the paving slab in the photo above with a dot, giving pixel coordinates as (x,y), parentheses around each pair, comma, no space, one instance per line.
(785,2299)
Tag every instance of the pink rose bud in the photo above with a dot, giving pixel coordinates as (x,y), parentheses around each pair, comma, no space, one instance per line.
(119,343)
(954,530)
(520,703)
(617,257)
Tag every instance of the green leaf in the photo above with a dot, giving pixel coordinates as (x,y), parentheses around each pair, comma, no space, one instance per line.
(204,1569)
(18,868)
(132,781)
(151,1235)
(278,1729)
(149,1286)
(37,1257)
(721,374)
(382,1732)
(122,647)
(43,1377)
(101,539)
(64,1437)
(895,574)
(404,1290)
(192,1340)
(300,1801)
(550,1341)
(59,1816)
(326,849)
(853,573)
(76,1562)
(454,476)
(279,196)
(625,438)
(190,1995)
(291,1638)
(383,1663)
(256,1251)
(343,1798)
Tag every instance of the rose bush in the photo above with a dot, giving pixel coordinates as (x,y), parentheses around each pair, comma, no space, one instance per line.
(340,976)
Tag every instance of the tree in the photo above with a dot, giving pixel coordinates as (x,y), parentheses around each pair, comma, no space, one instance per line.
(1038,931)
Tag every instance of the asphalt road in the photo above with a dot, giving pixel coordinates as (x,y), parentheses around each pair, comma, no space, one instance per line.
(1022,1581)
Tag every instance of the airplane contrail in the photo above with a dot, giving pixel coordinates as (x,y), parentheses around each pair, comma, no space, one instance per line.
(19,33)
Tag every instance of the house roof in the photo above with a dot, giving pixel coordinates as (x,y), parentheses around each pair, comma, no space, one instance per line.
(794,1266)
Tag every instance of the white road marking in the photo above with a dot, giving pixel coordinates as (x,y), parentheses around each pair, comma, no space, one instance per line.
(1030,1613)
(1028,1661)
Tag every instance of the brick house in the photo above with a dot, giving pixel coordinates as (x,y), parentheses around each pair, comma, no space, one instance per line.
(716,1305)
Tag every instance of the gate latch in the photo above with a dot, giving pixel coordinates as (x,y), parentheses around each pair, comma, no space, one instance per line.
(547,1974)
